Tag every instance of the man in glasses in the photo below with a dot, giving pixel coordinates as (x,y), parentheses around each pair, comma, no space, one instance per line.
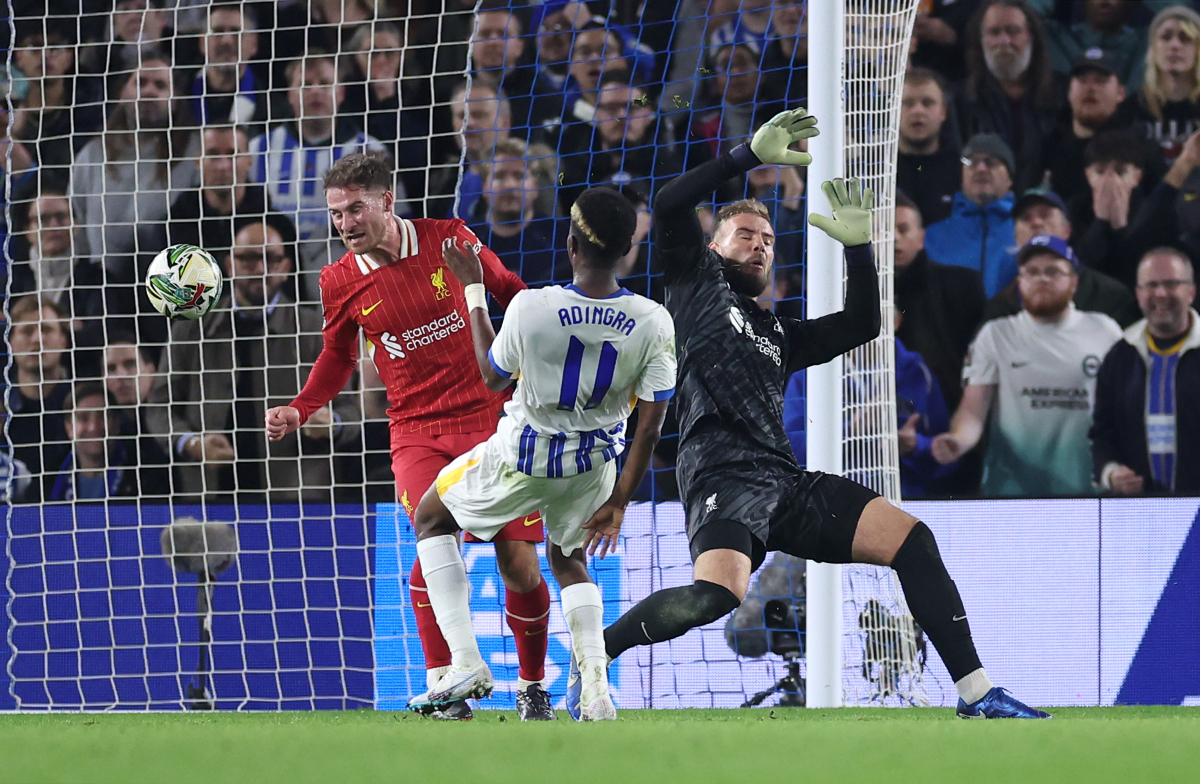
(225,368)
(1039,369)
(1143,440)
(979,232)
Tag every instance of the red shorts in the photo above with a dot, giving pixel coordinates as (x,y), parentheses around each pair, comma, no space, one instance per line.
(416,461)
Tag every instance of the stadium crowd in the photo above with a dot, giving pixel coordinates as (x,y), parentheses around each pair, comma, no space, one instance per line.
(1047,219)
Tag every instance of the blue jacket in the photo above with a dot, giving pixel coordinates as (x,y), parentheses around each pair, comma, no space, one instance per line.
(915,383)
(979,238)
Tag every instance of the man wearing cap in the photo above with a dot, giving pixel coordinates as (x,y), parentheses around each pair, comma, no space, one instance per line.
(979,232)
(1095,96)
(1043,212)
(1038,368)
(1146,427)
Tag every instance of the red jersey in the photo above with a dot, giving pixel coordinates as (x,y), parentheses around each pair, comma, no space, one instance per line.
(415,318)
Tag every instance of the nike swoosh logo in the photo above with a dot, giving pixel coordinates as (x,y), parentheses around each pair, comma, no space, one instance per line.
(424,605)
(367,311)
(959,618)
(533,520)
(1019,364)
(532,632)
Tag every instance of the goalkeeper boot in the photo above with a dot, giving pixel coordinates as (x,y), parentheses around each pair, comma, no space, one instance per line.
(533,704)
(999,704)
(597,705)
(574,688)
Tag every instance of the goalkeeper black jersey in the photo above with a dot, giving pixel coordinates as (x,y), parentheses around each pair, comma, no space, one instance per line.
(734,357)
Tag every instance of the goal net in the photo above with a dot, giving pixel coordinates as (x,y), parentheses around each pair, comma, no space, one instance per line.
(882,657)
(159,552)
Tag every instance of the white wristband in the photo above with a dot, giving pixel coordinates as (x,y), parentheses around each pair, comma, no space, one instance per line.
(476,296)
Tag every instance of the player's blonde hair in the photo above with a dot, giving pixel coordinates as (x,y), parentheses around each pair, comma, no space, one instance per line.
(743,207)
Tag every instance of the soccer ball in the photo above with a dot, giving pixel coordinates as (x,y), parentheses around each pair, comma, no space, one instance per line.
(184,282)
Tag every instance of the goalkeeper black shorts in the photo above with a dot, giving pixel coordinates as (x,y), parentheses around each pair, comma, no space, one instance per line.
(807,514)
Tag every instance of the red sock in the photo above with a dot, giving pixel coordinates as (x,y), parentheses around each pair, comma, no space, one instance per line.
(437,652)
(528,616)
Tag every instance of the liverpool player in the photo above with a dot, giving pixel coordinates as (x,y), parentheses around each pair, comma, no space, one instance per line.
(743,491)
(393,287)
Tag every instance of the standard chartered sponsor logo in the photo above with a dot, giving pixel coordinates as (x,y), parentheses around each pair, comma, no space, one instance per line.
(434,331)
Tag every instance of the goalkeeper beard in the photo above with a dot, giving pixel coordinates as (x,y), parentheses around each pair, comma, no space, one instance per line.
(747,279)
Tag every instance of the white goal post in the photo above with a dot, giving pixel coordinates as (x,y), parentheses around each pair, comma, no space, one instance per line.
(857,56)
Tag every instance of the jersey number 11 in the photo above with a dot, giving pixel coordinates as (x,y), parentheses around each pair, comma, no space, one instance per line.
(569,392)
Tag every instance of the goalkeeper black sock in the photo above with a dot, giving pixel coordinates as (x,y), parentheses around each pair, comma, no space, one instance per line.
(669,613)
(933,598)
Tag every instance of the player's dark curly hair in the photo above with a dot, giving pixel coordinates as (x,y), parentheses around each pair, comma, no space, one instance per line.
(603,221)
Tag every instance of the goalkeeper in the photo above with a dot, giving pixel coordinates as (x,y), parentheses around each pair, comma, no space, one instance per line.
(742,489)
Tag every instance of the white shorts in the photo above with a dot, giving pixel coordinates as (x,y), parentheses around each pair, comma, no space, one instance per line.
(484,493)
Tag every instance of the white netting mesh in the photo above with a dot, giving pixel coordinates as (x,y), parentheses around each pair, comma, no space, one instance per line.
(880,651)
(135,125)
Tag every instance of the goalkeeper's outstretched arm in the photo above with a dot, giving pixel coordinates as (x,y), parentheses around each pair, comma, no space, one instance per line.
(678,237)
(817,341)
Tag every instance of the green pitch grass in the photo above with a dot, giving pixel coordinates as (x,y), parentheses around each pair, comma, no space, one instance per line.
(761,746)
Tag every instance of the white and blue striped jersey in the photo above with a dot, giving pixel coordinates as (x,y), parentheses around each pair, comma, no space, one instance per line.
(292,172)
(581,365)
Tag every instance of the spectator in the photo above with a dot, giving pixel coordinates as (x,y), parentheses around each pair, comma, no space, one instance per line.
(1145,438)
(226,90)
(1095,96)
(498,49)
(137,30)
(1038,369)
(1120,218)
(696,19)
(750,25)
(1040,212)
(922,416)
(730,111)
(125,179)
(204,215)
(1102,31)
(54,270)
(61,110)
(556,23)
(785,58)
(219,397)
(979,232)
(941,305)
(1010,89)
(291,158)
(625,143)
(38,383)
(596,49)
(394,111)
(938,33)
(135,386)
(101,464)
(633,270)
(478,122)
(928,169)
(18,171)
(1168,103)
(531,244)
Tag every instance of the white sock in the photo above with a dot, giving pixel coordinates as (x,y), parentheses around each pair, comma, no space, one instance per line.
(973,686)
(584,612)
(434,674)
(523,684)
(449,593)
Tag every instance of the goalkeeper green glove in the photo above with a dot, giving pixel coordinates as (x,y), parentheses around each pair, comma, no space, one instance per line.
(771,141)
(851,205)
